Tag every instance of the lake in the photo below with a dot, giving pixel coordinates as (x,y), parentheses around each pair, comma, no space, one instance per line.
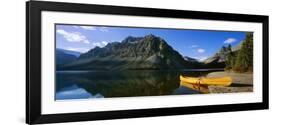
(108,84)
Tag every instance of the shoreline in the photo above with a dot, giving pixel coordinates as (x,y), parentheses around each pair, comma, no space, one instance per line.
(241,82)
(237,78)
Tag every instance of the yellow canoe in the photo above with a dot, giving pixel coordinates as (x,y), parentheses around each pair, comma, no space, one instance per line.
(222,81)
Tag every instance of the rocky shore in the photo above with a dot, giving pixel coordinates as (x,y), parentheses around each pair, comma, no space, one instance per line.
(241,82)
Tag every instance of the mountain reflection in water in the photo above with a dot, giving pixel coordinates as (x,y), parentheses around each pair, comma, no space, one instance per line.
(105,84)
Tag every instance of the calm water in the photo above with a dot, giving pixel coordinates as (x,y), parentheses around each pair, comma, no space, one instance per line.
(105,84)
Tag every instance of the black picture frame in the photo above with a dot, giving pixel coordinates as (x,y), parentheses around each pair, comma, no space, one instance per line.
(33,61)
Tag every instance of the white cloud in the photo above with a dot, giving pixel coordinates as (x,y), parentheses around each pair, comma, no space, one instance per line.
(104,42)
(82,50)
(100,44)
(88,27)
(103,29)
(193,46)
(85,27)
(73,36)
(76,27)
(229,41)
(200,50)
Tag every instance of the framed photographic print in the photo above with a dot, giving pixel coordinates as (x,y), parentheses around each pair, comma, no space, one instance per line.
(94,62)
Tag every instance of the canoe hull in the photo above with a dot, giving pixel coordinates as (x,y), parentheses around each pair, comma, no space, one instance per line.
(197,87)
(222,81)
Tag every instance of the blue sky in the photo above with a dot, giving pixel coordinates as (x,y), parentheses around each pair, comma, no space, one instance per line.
(198,44)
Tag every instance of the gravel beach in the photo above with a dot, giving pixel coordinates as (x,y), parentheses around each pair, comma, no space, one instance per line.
(237,78)
(241,82)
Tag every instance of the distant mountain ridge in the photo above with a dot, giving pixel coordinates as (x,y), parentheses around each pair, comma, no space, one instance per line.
(138,53)
(237,47)
(63,57)
(190,59)
(148,52)
(218,59)
(70,52)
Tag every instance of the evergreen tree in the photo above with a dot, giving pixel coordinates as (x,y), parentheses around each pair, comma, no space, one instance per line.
(250,47)
(230,58)
(223,49)
(244,60)
(229,48)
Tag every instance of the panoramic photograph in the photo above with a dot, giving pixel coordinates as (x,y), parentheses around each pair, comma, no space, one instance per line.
(113,61)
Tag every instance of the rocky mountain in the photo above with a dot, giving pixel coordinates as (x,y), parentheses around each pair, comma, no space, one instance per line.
(219,57)
(238,47)
(189,59)
(218,60)
(63,57)
(148,52)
